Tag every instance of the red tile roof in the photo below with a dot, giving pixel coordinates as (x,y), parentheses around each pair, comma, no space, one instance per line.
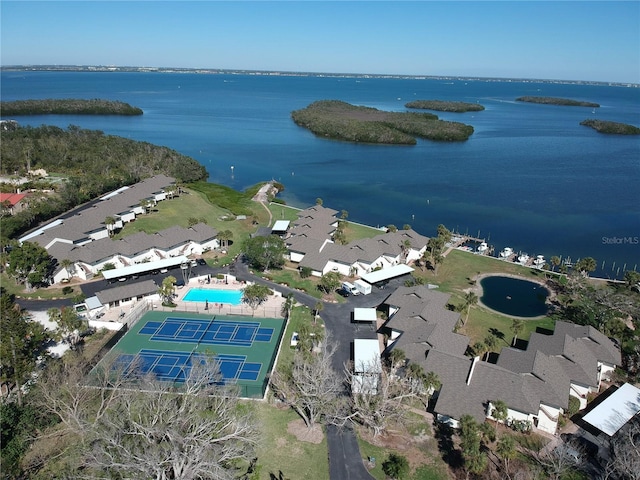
(12,198)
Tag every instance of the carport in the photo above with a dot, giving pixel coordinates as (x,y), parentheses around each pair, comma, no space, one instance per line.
(367,315)
(616,410)
(385,274)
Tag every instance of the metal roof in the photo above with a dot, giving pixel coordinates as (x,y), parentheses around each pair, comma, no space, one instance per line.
(280,226)
(616,410)
(364,315)
(387,273)
(366,354)
(144,267)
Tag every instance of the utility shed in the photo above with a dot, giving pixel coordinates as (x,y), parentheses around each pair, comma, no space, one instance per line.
(616,410)
(364,315)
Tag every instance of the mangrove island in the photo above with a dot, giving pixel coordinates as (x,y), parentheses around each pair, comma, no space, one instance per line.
(339,120)
(68,106)
(445,106)
(567,102)
(615,128)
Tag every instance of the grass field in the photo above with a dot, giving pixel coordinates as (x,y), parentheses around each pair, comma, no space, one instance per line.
(281,452)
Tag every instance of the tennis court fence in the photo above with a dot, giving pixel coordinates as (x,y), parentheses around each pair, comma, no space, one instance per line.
(222,309)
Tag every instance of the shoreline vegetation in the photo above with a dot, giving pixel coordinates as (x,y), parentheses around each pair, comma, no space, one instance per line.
(445,106)
(67,106)
(339,120)
(607,127)
(567,102)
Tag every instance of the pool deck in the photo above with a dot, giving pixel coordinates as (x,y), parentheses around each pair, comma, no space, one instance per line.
(271,308)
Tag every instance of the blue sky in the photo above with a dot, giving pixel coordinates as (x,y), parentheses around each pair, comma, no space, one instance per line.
(575,40)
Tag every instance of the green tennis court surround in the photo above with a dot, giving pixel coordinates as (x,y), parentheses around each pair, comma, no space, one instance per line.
(169,344)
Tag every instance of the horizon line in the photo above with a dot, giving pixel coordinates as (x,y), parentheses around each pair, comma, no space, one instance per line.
(212,70)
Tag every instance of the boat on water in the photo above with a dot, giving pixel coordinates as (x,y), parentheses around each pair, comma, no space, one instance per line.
(539,261)
(482,248)
(523,258)
(505,253)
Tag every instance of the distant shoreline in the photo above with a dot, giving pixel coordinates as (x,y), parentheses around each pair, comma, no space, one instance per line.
(285,73)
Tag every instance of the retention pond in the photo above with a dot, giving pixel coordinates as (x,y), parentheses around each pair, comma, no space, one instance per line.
(514,296)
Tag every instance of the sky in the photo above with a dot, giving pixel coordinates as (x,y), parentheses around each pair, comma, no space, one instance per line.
(572,40)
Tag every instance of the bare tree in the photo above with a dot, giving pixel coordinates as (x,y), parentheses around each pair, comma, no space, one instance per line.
(559,461)
(131,425)
(311,386)
(625,449)
(377,396)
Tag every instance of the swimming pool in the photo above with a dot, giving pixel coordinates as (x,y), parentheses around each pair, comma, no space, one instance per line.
(211,295)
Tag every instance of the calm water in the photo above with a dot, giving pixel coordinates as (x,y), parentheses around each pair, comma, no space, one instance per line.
(514,296)
(530,177)
(234,297)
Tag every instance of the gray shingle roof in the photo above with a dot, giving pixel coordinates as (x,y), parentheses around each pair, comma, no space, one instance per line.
(523,379)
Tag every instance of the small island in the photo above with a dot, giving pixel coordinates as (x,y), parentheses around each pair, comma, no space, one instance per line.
(68,106)
(566,102)
(445,106)
(614,128)
(339,120)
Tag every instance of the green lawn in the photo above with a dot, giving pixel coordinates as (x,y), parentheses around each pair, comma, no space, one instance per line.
(195,204)
(279,451)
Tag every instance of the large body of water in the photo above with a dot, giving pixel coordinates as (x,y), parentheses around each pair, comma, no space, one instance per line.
(530,177)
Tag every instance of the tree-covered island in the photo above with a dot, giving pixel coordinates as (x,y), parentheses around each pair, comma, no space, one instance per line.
(445,106)
(341,121)
(614,128)
(68,106)
(567,102)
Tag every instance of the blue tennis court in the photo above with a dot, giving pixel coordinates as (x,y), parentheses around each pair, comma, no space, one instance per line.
(176,366)
(212,332)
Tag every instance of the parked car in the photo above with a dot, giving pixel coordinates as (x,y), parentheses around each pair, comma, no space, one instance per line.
(201,261)
(343,293)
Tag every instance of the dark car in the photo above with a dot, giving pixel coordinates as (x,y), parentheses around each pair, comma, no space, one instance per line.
(343,293)
(201,261)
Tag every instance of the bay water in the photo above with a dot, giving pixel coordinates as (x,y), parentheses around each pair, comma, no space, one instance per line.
(530,177)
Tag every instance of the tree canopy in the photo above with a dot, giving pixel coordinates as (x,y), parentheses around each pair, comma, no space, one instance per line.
(265,252)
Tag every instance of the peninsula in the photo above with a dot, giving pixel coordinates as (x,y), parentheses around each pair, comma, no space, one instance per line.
(69,106)
(341,121)
(445,106)
(566,102)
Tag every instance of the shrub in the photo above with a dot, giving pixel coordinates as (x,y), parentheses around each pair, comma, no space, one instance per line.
(396,466)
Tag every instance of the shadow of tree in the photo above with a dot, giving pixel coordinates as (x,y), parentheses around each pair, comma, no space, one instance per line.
(444,436)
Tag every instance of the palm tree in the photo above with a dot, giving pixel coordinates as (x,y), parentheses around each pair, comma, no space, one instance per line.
(586,265)
(397,356)
(500,412)
(288,305)
(516,327)
(66,263)
(318,308)
(405,246)
(110,222)
(470,299)
(555,261)
(506,450)
(491,342)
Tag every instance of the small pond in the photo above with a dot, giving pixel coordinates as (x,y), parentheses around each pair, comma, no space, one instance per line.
(514,296)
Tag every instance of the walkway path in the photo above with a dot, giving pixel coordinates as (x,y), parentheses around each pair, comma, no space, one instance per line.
(262,197)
